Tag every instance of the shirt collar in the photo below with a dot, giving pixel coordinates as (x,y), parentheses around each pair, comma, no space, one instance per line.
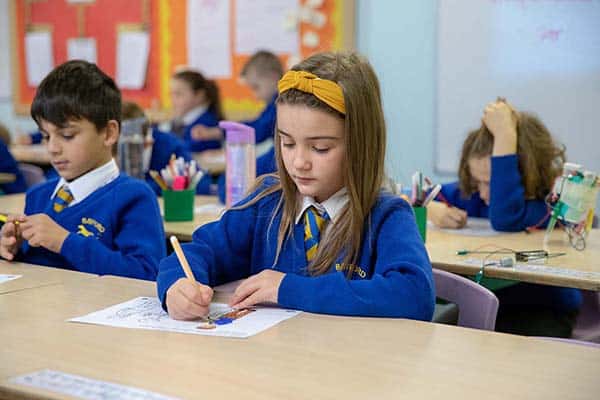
(193,114)
(86,184)
(332,205)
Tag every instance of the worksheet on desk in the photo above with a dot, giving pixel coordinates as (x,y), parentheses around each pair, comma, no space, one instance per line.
(147,313)
(474,227)
(6,278)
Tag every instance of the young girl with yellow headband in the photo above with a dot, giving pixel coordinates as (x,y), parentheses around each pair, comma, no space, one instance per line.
(322,234)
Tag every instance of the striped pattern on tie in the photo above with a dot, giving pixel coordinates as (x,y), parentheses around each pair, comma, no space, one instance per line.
(313,226)
(62,199)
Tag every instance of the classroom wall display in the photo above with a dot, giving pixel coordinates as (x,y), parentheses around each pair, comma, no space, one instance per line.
(141,43)
(542,55)
(5,72)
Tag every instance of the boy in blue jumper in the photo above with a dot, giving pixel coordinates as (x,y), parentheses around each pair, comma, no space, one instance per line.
(159,147)
(321,235)
(92,219)
(9,165)
(261,73)
(507,168)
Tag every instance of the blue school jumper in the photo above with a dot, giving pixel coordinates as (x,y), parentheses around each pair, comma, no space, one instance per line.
(164,145)
(392,277)
(209,119)
(509,211)
(116,230)
(9,165)
(264,125)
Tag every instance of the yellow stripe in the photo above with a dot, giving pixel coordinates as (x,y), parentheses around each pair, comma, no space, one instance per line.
(164,14)
(310,253)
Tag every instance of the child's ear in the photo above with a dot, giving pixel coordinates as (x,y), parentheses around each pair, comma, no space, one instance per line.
(112,133)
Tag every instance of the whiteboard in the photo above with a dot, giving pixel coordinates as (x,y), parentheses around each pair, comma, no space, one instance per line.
(542,55)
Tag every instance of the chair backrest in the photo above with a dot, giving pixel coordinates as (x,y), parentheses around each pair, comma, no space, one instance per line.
(32,174)
(477,305)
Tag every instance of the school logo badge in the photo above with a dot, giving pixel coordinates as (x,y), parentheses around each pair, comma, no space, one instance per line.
(89,227)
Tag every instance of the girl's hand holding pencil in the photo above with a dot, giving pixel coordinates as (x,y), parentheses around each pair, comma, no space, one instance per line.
(186,298)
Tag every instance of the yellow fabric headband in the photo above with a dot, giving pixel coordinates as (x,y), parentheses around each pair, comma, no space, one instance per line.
(325,90)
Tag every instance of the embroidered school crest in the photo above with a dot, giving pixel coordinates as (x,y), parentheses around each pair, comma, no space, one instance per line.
(89,227)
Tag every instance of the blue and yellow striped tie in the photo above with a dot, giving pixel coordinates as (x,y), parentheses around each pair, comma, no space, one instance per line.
(313,226)
(62,199)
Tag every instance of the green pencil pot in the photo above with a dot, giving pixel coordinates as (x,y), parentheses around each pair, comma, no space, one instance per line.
(421,217)
(179,205)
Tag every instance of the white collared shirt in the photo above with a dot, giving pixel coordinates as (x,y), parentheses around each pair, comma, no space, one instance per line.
(193,114)
(86,184)
(332,205)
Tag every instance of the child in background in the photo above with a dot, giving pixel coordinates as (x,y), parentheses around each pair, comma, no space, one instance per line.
(330,149)
(158,147)
(261,73)
(507,167)
(9,165)
(92,219)
(196,101)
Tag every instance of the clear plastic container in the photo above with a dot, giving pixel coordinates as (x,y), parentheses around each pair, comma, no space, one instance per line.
(240,158)
(131,147)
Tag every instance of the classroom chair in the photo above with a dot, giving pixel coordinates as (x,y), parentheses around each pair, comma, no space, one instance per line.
(32,174)
(477,306)
(587,326)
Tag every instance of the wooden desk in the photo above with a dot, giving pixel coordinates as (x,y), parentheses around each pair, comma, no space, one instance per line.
(36,276)
(15,203)
(7,178)
(34,154)
(578,269)
(309,356)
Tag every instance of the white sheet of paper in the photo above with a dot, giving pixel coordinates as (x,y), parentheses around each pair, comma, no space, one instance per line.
(146,313)
(84,388)
(39,58)
(208,37)
(6,277)
(133,49)
(261,24)
(82,49)
(474,227)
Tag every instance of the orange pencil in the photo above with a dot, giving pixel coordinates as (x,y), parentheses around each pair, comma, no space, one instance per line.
(182,260)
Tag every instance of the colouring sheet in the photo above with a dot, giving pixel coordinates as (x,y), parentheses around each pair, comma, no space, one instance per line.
(147,313)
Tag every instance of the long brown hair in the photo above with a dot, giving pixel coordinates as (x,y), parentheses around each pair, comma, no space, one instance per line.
(197,82)
(540,157)
(365,137)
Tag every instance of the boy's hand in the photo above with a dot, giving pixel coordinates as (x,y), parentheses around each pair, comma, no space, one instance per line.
(201,132)
(446,217)
(501,120)
(260,288)
(187,299)
(10,237)
(42,231)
